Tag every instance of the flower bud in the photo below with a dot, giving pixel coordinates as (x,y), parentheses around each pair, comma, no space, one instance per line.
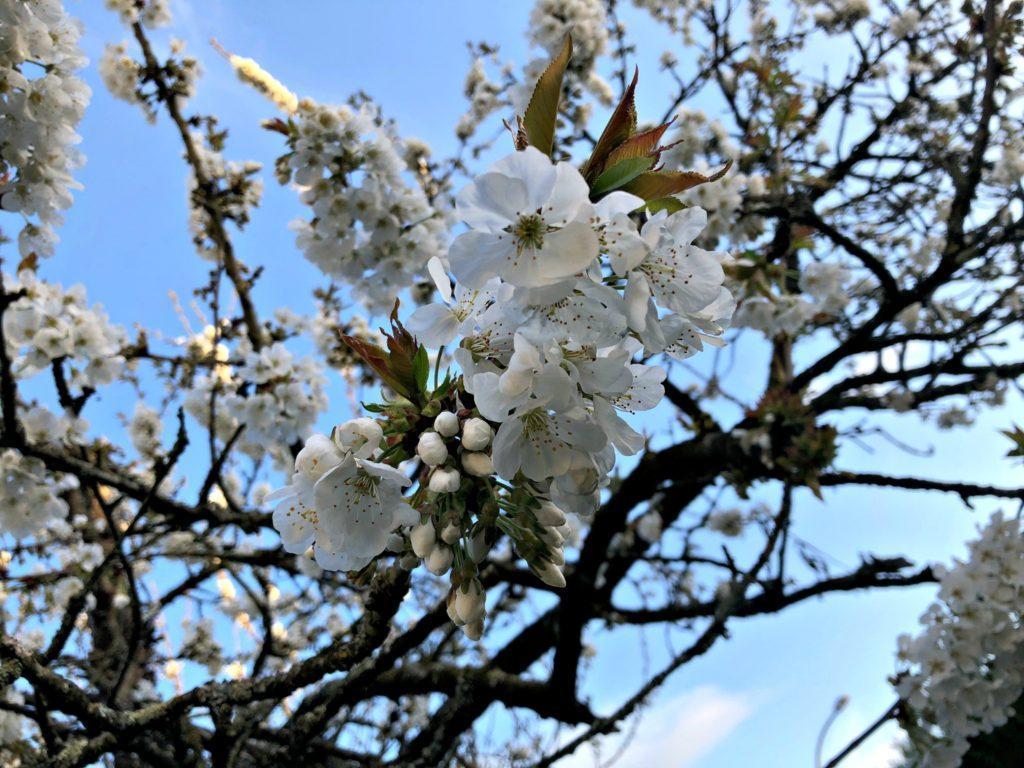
(361,436)
(549,573)
(440,560)
(475,630)
(423,539)
(395,543)
(552,537)
(445,480)
(471,604)
(478,546)
(557,556)
(476,434)
(431,449)
(447,424)
(450,534)
(477,464)
(316,457)
(453,614)
(549,514)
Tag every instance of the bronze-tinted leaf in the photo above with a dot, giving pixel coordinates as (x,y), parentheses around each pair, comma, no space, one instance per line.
(641,145)
(621,126)
(376,358)
(542,111)
(655,184)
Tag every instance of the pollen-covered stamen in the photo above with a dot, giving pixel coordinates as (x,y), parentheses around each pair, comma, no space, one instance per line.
(363,483)
(535,421)
(529,231)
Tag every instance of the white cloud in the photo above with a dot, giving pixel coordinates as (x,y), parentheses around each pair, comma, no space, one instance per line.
(675,732)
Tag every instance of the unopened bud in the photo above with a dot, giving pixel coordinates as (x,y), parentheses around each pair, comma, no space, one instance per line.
(431,449)
(452,613)
(439,560)
(549,514)
(445,480)
(477,464)
(478,546)
(471,604)
(476,434)
(423,538)
(451,533)
(475,630)
(549,573)
(552,537)
(447,424)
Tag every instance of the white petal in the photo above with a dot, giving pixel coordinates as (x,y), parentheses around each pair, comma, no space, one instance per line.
(492,201)
(536,172)
(617,202)
(433,324)
(567,251)
(477,257)
(505,451)
(636,296)
(570,197)
(439,274)
(686,224)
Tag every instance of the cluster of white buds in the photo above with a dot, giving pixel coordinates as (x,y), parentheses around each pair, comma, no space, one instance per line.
(471,452)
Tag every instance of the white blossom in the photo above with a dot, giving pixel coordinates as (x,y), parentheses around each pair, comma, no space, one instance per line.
(962,674)
(344,505)
(42,102)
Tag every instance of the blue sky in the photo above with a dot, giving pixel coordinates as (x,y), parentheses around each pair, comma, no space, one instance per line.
(757,700)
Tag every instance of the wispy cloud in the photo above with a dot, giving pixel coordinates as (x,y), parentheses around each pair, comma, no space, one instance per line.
(676,732)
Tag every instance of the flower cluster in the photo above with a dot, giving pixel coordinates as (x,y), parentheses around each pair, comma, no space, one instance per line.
(340,501)
(49,323)
(120,73)
(238,191)
(556,297)
(826,288)
(963,673)
(149,13)
(128,80)
(41,103)
(586,21)
(27,500)
(697,142)
(274,395)
(369,228)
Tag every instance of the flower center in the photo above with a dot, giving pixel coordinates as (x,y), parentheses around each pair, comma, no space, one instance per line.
(535,421)
(363,483)
(529,231)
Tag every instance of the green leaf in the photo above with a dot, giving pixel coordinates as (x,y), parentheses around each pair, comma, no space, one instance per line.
(620,174)
(670,204)
(621,125)
(542,111)
(655,184)
(421,368)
